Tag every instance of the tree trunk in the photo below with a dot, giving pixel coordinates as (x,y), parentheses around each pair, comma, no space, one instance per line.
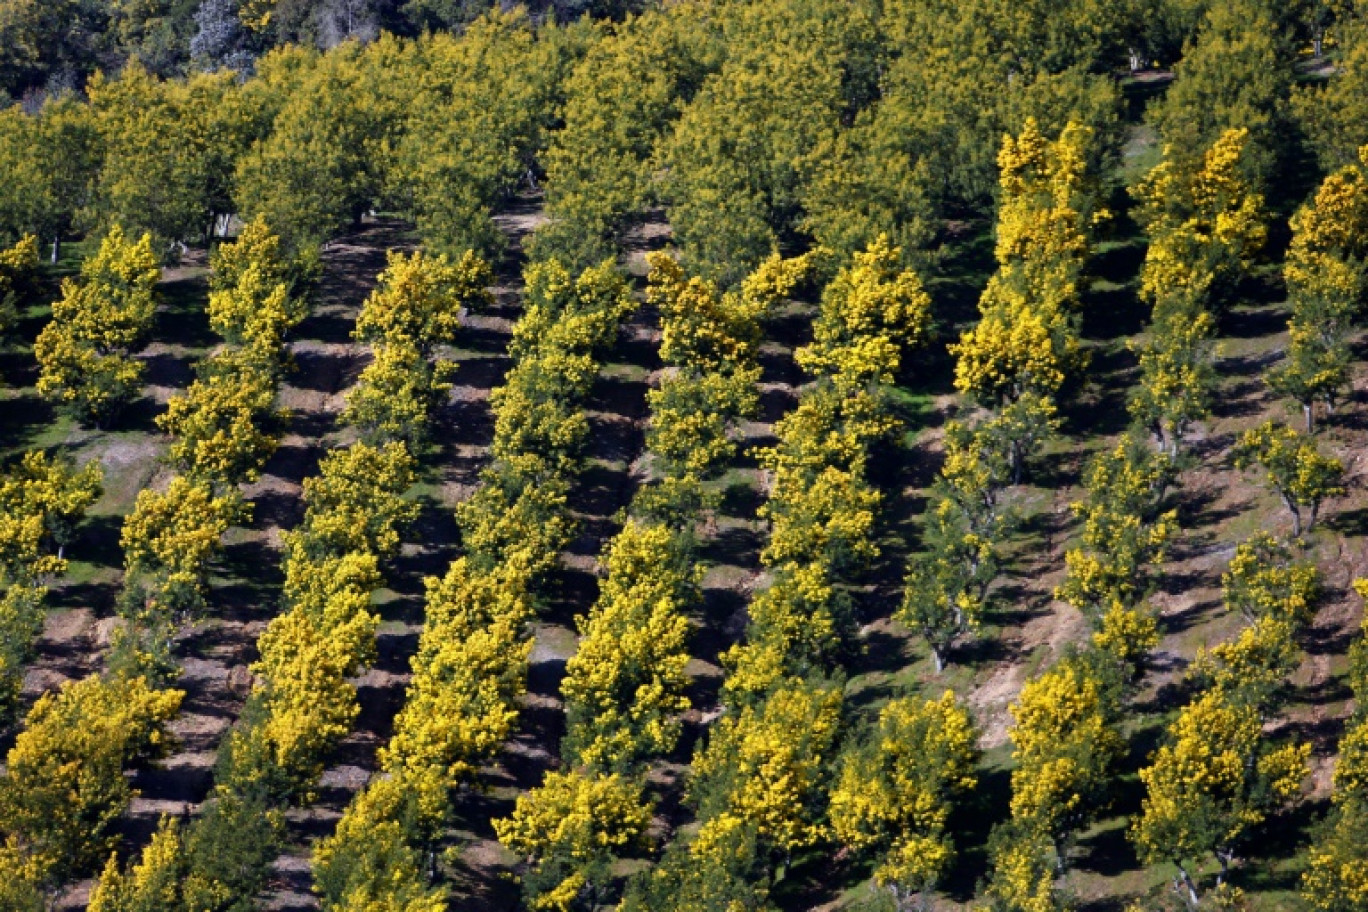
(56,249)
(1315,514)
(1309,412)
(1135,62)
(1318,43)
(937,658)
(1296,516)
(1224,857)
(1194,900)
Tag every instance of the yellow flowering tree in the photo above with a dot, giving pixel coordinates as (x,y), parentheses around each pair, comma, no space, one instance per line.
(83,353)
(1336,877)
(569,829)
(64,787)
(1326,284)
(1263,580)
(872,311)
(1212,781)
(1026,341)
(766,766)
(1066,744)
(1293,468)
(624,686)
(169,541)
(895,791)
(1125,532)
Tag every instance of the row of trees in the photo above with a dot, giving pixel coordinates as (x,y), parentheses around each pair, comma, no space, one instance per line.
(302,702)
(65,786)
(42,499)
(1336,879)
(624,687)
(841,130)
(1012,365)
(1066,732)
(441,128)
(471,665)
(765,785)
(1210,805)
(223,429)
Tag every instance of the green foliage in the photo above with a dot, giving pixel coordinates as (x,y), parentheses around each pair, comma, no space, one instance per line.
(1336,877)
(18,265)
(1293,468)
(946,590)
(1326,281)
(49,159)
(320,167)
(217,863)
(624,686)
(620,101)
(1236,73)
(21,620)
(1124,536)
(569,829)
(64,785)
(474,126)
(84,352)
(1177,374)
(743,151)
(1214,779)
(169,150)
(1331,112)
(893,795)
(41,501)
